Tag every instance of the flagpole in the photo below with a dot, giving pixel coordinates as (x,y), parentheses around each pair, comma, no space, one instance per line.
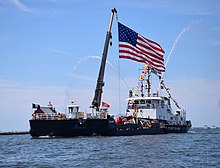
(148,82)
(119,79)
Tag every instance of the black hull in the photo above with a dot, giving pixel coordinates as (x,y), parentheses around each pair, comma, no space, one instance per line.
(177,128)
(60,128)
(103,127)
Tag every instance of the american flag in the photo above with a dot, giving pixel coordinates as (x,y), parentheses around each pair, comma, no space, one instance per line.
(138,48)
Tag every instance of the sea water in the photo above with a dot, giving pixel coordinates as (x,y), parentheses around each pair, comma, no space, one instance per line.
(197,148)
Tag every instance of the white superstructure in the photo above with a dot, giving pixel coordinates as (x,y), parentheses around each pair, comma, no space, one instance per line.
(155,108)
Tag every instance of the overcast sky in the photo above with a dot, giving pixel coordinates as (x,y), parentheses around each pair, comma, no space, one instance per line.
(50,51)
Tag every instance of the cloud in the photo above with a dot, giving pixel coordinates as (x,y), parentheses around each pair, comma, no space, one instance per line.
(59,51)
(79,77)
(178,7)
(200,97)
(195,8)
(21,6)
(16,99)
(100,58)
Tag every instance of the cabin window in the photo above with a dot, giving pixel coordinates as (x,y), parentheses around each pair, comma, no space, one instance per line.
(130,106)
(142,101)
(171,118)
(162,104)
(148,101)
(76,109)
(70,109)
(155,102)
(136,102)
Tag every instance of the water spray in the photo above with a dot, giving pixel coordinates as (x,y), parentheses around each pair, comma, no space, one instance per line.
(98,57)
(177,40)
(186,29)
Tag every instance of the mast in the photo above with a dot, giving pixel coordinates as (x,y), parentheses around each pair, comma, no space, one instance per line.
(100,83)
(148,82)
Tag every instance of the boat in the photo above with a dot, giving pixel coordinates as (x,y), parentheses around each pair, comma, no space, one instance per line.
(146,113)
(210,127)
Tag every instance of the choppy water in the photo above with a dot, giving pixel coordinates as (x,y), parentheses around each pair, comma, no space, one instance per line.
(198,148)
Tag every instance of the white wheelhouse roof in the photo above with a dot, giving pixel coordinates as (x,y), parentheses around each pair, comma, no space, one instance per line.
(144,98)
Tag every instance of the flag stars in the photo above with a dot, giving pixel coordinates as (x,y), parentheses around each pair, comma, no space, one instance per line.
(127,35)
(138,48)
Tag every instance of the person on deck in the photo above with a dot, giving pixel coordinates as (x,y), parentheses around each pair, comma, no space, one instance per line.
(50,104)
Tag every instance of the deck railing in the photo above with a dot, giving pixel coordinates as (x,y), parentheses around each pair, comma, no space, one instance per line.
(48,116)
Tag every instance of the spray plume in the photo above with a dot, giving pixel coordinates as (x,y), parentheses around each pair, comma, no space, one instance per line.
(178,39)
(98,57)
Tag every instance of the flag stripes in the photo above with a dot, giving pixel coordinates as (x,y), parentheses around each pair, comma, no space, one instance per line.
(138,48)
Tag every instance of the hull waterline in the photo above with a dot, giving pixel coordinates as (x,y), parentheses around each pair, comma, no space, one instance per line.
(92,127)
